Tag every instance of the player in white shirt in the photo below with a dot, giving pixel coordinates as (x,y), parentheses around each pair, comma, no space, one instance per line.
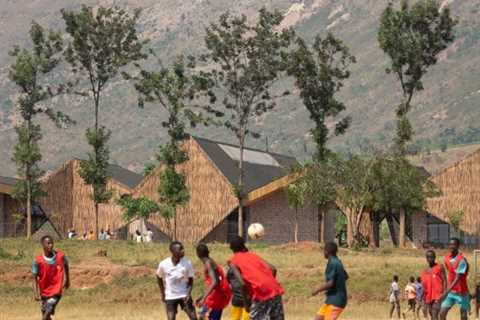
(175,280)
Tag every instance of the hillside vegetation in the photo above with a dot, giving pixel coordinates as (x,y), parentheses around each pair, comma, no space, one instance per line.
(446,111)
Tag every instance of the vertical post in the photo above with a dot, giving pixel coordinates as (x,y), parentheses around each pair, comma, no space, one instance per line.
(402,229)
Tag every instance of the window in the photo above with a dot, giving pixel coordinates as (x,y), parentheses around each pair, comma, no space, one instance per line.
(438,233)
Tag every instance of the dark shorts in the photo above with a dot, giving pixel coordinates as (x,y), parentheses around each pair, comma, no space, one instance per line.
(49,304)
(172,305)
(412,302)
(206,314)
(270,309)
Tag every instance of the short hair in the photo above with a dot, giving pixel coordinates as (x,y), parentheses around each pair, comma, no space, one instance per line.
(419,279)
(331,248)
(456,240)
(395,278)
(412,279)
(237,244)
(45,237)
(431,252)
(175,243)
(202,250)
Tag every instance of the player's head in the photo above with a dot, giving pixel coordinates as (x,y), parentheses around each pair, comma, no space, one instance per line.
(47,243)
(237,244)
(430,256)
(419,280)
(202,251)
(395,278)
(177,249)
(330,250)
(412,279)
(454,245)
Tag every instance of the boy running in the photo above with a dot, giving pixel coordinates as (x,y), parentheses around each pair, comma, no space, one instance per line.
(420,303)
(262,294)
(457,288)
(434,284)
(50,276)
(175,280)
(394,297)
(335,286)
(237,311)
(217,294)
(411,296)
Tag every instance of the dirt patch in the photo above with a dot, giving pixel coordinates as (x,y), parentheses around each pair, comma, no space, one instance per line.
(88,274)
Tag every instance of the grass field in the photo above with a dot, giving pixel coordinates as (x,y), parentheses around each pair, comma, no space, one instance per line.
(122,285)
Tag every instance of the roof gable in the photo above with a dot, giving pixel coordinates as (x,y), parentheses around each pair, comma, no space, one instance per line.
(261,168)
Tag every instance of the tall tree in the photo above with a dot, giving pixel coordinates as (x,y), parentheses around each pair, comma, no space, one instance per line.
(30,72)
(101,41)
(296,193)
(413,36)
(319,73)
(175,90)
(246,60)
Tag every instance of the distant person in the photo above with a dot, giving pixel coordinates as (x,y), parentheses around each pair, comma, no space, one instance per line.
(108,235)
(149,236)
(457,288)
(262,294)
(434,284)
(217,293)
(138,236)
(237,310)
(394,298)
(175,280)
(85,236)
(50,277)
(335,285)
(91,235)
(411,296)
(420,305)
(102,235)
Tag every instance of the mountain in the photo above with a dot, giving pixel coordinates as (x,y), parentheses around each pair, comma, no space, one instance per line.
(447,110)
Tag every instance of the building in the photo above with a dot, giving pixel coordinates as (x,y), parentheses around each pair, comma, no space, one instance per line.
(212,211)
(69,201)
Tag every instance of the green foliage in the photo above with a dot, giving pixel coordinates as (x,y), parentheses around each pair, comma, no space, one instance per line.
(319,73)
(137,208)
(245,61)
(172,191)
(412,37)
(296,193)
(148,169)
(94,170)
(455,218)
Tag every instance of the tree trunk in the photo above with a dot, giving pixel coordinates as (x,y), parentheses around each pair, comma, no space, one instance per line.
(350,231)
(296,226)
(374,241)
(175,227)
(240,189)
(321,225)
(401,232)
(95,236)
(29,206)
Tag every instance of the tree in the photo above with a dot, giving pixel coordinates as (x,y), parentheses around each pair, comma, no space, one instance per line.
(319,73)
(354,193)
(296,192)
(100,43)
(455,218)
(136,208)
(29,72)
(399,186)
(245,61)
(412,37)
(175,90)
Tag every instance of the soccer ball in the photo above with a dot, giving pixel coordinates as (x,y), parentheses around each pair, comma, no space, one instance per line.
(256,231)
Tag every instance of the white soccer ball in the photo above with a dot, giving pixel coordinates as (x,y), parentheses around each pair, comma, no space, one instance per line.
(256,231)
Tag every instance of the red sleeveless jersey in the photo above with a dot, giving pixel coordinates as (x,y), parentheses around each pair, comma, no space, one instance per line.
(50,276)
(257,275)
(220,297)
(461,287)
(432,284)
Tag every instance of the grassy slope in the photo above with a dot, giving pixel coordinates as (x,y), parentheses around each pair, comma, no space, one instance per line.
(136,296)
(449,101)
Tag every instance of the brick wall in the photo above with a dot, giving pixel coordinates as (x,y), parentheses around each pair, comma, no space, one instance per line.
(277,218)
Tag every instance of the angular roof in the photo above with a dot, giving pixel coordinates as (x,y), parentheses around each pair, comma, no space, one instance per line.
(8,181)
(124,176)
(261,167)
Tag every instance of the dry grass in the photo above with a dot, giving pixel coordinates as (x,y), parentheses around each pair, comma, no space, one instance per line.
(122,286)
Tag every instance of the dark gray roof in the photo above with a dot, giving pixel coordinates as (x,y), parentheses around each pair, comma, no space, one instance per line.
(256,175)
(124,176)
(8,181)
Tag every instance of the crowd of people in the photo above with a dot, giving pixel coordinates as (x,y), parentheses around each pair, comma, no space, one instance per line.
(438,288)
(250,285)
